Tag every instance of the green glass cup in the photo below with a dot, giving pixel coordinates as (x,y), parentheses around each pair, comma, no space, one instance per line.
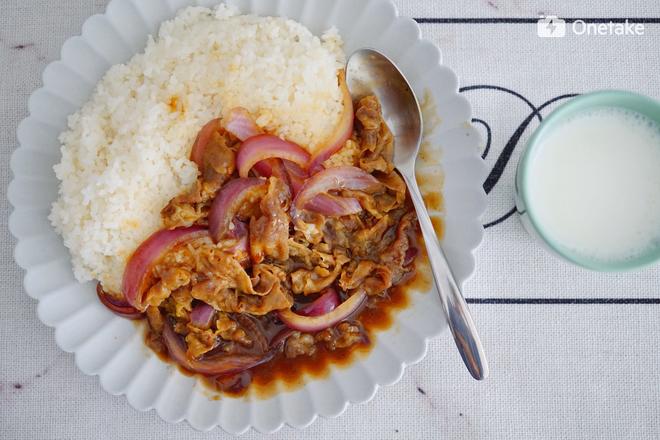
(525,206)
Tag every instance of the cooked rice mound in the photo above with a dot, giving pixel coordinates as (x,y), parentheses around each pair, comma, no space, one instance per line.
(125,153)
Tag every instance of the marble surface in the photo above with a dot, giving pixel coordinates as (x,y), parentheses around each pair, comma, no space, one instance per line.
(573,354)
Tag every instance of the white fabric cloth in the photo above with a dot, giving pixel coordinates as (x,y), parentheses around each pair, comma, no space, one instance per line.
(567,371)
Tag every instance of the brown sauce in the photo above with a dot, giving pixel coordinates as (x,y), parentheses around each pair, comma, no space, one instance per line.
(438,226)
(433,201)
(291,373)
(431,179)
(173,104)
(430,185)
(282,373)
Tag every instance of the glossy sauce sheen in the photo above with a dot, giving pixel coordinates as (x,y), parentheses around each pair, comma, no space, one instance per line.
(292,372)
(284,373)
(288,374)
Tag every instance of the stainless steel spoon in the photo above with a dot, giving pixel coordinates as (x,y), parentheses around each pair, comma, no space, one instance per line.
(369,72)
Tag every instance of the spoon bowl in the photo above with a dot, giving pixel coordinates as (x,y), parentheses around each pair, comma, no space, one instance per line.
(369,72)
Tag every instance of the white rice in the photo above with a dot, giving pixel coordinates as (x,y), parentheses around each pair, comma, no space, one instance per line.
(125,153)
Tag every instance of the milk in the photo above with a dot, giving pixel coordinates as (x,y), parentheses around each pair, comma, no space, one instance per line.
(594,184)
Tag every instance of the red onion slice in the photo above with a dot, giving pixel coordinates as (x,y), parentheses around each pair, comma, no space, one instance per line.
(264,168)
(240,231)
(333,206)
(202,315)
(240,249)
(410,255)
(346,177)
(285,170)
(273,167)
(216,365)
(265,146)
(118,307)
(203,139)
(327,302)
(229,200)
(342,131)
(281,337)
(312,324)
(144,257)
(295,178)
(240,124)
(296,175)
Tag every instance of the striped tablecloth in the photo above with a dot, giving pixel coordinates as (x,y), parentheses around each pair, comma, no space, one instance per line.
(573,354)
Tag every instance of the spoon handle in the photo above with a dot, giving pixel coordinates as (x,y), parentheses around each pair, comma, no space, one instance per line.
(458,314)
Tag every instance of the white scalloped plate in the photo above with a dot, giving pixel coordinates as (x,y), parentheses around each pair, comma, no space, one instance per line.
(111,347)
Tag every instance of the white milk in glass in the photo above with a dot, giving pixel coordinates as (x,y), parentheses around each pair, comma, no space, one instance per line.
(594,184)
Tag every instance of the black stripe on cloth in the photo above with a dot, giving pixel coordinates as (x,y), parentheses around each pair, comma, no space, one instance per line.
(525,20)
(563,300)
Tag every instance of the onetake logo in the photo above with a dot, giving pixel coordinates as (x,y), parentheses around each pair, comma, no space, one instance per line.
(550,26)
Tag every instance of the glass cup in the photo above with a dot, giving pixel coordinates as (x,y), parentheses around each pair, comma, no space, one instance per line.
(606,98)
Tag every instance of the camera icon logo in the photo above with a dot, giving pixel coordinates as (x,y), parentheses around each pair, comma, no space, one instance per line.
(551,27)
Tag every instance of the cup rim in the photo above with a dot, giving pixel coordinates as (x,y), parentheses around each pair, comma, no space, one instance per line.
(601,98)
